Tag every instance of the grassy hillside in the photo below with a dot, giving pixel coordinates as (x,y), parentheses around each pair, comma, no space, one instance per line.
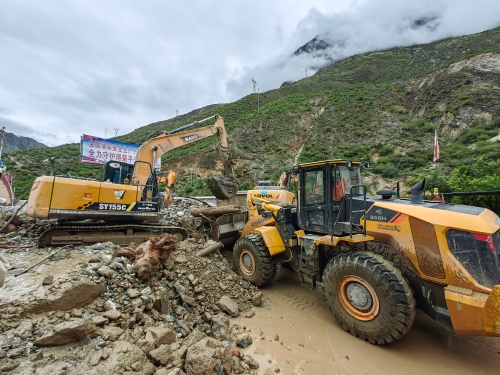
(379,106)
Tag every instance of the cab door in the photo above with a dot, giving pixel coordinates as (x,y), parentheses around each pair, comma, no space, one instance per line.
(313,212)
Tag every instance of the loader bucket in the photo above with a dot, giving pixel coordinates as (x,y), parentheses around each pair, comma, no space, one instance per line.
(222,187)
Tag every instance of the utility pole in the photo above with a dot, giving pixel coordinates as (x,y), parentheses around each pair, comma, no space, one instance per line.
(116,131)
(105,133)
(306,72)
(254,82)
(2,133)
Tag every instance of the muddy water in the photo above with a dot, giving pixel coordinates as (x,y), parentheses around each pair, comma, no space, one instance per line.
(310,341)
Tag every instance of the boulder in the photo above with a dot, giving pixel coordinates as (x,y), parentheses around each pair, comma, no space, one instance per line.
(228,305)
(67,332)
(208,356)
(194,337)
(69,294)
(124,357)
(162,354)
(162,335)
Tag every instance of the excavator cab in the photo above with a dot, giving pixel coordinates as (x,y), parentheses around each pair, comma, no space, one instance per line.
(117,172)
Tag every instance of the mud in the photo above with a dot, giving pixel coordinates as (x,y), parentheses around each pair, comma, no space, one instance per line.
(310,341)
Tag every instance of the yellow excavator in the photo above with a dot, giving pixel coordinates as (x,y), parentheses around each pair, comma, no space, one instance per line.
(125,205)
(376,258)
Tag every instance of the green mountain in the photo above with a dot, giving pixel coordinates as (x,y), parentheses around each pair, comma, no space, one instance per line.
(382,107)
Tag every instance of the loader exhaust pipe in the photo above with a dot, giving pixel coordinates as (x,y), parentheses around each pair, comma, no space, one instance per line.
(416,191)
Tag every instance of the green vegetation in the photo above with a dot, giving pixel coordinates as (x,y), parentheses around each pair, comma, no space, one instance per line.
(382,107)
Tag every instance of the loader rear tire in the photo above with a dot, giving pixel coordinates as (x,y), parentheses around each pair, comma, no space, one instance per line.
(369,297)
(253,261)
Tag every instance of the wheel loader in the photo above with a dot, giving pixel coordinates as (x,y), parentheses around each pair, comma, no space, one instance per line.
(376,258)
(125,205)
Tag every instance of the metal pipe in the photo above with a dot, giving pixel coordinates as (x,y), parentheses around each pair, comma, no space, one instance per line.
(190,125)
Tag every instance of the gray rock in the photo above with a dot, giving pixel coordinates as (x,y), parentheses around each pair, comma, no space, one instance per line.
(99,320)
(180,259)
(228,305)
(162,335)
(208,356)
(243,340)
(112,314)
(190,301)
(162,354)
(48,280)
(133,293)
(109,305)
(194,337)
(105,271)
(123,355)
(67,332)
(8,365)
(257,299)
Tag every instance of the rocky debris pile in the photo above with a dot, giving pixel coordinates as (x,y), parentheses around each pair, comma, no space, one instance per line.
(175,323)
(21,224)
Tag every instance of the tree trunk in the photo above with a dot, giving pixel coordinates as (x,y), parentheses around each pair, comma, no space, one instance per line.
(149,255)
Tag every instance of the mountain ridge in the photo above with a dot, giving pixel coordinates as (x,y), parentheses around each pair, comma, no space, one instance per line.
(380,106)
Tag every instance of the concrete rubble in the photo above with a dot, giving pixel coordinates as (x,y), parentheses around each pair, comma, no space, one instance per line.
(84,311)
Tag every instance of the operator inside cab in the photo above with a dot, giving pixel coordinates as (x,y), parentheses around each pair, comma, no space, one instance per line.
(343,178)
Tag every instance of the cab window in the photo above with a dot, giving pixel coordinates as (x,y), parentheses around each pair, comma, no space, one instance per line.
(344,178)
(314,187)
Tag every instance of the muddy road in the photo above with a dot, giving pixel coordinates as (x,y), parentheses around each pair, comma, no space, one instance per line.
(297,334)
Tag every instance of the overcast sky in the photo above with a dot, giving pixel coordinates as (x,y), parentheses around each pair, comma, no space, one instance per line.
(77,67)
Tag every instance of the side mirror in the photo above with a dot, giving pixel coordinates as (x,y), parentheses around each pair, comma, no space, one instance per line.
(366,164)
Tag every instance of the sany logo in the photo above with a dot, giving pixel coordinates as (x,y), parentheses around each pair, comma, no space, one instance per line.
(190,138)
(119,194)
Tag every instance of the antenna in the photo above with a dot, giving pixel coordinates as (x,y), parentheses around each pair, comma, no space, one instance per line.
(306,72)
(254,82)
(116,131)
(105,132)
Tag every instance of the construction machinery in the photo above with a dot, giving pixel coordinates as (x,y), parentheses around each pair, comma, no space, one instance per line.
(125,205)
(376,258)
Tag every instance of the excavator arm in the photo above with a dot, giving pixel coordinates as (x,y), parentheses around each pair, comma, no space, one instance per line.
(153,148)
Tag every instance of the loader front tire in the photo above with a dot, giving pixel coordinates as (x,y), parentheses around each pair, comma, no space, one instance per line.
(253,261)
(369,297)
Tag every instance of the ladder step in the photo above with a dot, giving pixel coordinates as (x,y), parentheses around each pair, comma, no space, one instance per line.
(306,257)
(307,271)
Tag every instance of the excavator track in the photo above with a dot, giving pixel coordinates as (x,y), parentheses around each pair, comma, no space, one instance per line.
(120,234)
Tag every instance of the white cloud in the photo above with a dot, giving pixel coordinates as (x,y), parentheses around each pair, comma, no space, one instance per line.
(69,68)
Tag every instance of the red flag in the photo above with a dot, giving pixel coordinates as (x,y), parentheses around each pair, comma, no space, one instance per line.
(436,147)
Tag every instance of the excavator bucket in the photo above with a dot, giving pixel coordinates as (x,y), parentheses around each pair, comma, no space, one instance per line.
(222,187)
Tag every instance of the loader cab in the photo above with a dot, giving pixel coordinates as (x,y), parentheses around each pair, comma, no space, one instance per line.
(322,191)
